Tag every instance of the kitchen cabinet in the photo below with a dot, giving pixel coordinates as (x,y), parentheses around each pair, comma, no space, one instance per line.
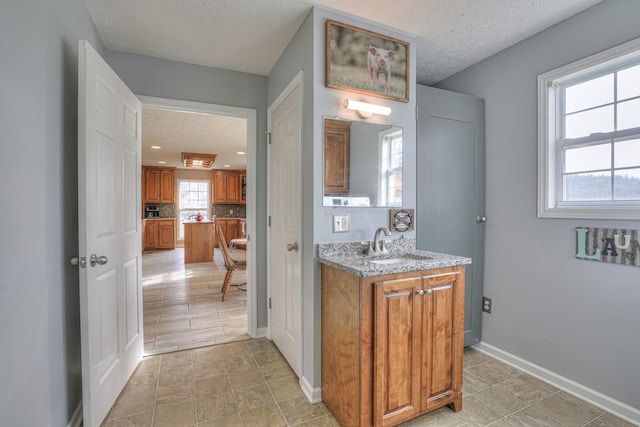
(229,187)
(158,185)
(337,137)
(231,228)
(392,345)
(159,234)
(198,241)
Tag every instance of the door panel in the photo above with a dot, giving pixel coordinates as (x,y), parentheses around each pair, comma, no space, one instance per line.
(110,228)
(450,187)
(284,211)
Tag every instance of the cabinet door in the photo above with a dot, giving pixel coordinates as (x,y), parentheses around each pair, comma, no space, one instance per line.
(396,390)
(233,230)
(151,234)
(167,186)
(442,346)
(219,187)
(337,137)
(152,190)
(243,188)
(166,234)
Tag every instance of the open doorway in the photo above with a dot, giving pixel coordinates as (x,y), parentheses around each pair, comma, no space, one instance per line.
(182,306)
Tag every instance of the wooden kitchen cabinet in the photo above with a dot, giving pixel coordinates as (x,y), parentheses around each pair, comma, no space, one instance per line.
(229,187)
(159,234)
(392,346)
(337,141)
(231,228)
(158,185)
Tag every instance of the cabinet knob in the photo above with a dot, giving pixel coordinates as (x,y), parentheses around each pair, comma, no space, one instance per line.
(420,291)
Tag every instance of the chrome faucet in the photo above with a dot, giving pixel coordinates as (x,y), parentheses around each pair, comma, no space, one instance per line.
(377,246)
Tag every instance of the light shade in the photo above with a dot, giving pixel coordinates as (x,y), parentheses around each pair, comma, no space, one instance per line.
(364,109)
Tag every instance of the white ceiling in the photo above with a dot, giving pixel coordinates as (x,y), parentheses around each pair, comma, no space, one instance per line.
(250,35)
(178,131)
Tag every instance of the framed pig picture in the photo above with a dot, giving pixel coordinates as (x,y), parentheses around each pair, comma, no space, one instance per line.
(365,62)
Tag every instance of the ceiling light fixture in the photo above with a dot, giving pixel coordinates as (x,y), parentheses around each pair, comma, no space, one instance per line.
(364,110)
(227,166)
(198,160)
(241,152)
(155,147)
(162,162)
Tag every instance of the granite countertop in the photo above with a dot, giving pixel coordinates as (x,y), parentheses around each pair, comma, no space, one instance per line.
(157,218)
(198,222)
(403,257)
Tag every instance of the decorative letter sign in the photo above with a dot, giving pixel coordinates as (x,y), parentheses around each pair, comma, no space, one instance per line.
(611,245)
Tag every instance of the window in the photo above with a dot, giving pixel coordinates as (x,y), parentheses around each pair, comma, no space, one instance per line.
(391,167)
(194,200)
(589,137)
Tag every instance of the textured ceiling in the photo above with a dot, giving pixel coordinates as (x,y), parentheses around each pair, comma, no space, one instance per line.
(177,131)
(250,36)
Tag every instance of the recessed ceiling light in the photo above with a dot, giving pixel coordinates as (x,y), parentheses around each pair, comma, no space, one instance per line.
(227,166)
(241,152)
(162,162)
(155,147)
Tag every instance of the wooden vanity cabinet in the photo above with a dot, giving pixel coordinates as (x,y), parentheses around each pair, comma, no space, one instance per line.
(337,142)
(392,346)
(158,184)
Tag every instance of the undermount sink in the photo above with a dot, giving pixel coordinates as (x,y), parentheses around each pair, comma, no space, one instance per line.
(397,258)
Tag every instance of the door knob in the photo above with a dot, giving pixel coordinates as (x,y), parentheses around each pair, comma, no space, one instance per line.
(481,219)
(95,259)
(77,260)
(292,247)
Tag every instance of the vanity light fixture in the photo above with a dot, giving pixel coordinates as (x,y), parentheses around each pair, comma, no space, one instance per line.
(364,110)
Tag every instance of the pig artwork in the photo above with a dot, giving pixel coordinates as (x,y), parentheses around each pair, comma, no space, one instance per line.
(379,61)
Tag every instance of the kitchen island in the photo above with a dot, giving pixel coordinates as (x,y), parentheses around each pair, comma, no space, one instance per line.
(198,241)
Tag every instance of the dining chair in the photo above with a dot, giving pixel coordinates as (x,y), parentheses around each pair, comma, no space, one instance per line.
(230,263)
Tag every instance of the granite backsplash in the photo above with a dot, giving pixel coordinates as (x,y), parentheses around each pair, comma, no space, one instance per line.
(167,210)
(229,211)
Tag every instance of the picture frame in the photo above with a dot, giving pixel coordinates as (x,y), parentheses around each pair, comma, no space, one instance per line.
(361,61)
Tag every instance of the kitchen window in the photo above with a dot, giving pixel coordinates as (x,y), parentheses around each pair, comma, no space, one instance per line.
(193,200)
(589,137)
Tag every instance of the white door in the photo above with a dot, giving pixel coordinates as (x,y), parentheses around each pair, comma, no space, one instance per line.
(109,230)
(284,232)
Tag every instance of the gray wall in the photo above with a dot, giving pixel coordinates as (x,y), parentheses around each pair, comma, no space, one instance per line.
(177,80)
(39,312)
(576,318)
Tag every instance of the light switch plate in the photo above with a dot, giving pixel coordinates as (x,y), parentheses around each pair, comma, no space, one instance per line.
(341,223)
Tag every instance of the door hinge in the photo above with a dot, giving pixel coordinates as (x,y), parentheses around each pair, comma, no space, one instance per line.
(417,112)
(269,222)
(268,134)
(269,302)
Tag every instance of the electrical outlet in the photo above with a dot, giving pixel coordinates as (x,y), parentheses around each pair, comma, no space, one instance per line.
(340,223)
(486,305)
(230,211)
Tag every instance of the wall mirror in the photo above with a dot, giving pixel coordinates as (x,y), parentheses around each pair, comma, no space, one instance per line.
(362,164)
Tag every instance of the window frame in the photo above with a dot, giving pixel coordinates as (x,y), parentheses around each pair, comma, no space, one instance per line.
(208,209)
(550,143)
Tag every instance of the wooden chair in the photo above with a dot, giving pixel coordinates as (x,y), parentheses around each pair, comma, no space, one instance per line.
(230,263)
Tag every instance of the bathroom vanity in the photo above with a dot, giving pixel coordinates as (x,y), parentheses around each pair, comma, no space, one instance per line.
(392,332)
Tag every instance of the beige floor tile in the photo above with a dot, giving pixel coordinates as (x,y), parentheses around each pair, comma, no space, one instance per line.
(494,372)
(443,417)
(472,384)
(245,379)
(216,406)
(264,416)
(501,401)
(144,419)
(253,397)
(477,413)
(170,395)
(211,386)
(569,410)
(134,403)
(299,410)
(180,415)
(176,376)
(232,420)
(286,389)
(527,388)
(323,421)
(608,420)
(531,417)
(175,360)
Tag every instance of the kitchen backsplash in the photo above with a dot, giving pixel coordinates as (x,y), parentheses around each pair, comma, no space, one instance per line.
(167,210)
(225,211)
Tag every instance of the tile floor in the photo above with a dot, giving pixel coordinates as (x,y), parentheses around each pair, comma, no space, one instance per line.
(249,383)
(182,308)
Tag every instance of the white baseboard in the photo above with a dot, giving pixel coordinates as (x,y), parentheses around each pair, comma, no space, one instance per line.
(76,418)
(261,332)
(613,406)
(313,394)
